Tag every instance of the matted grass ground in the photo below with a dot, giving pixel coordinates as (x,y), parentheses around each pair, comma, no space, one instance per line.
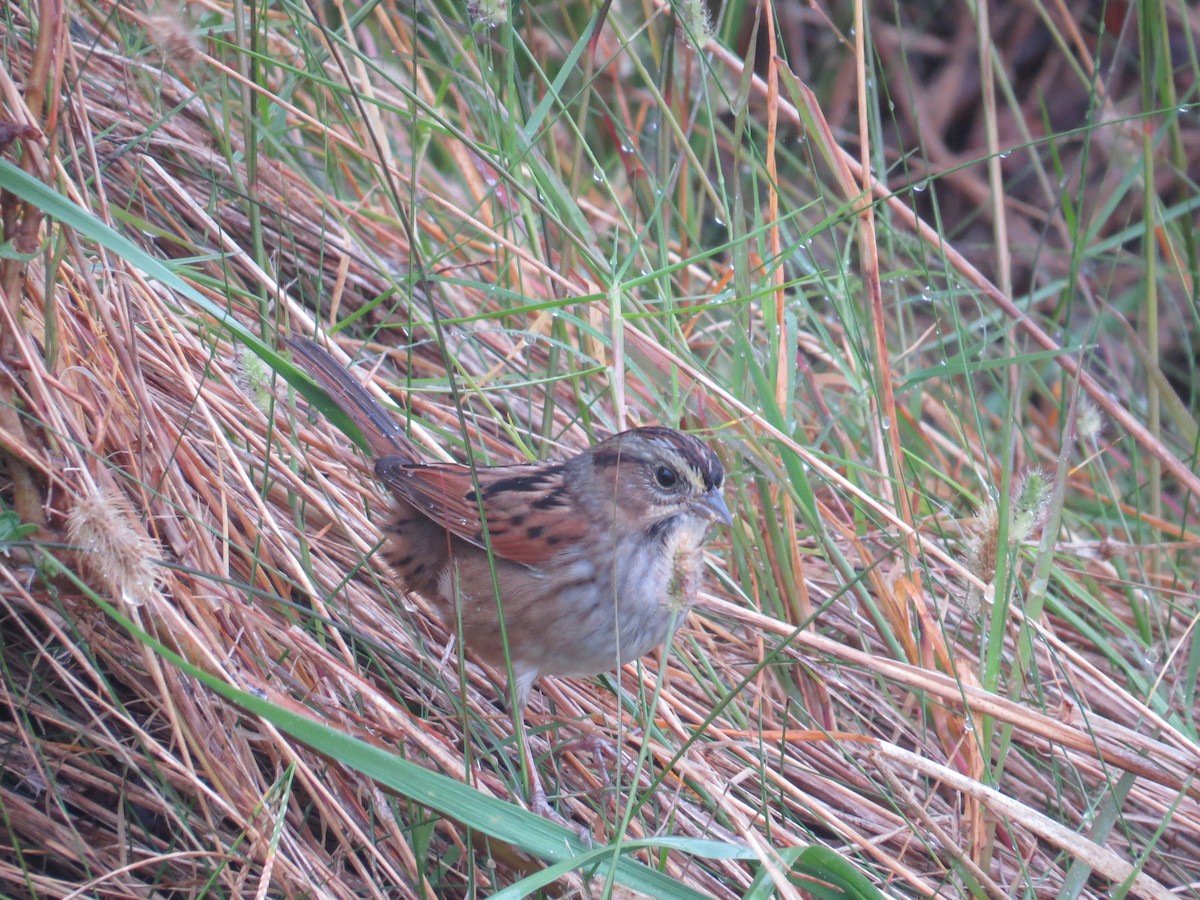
(949,646)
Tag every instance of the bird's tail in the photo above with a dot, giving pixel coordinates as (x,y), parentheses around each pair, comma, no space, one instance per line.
(383,433)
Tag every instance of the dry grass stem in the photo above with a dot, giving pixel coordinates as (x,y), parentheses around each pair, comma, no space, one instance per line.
(522,291)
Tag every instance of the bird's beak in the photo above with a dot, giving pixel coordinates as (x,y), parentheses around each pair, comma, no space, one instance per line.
(713,505)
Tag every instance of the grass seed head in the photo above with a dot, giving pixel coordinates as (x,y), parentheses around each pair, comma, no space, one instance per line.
(114,550)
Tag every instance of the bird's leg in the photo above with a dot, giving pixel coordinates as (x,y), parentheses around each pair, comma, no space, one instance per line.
(537,793)
(523,683)
(601,749)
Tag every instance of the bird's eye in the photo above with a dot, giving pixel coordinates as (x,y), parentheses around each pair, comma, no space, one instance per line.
(665,476)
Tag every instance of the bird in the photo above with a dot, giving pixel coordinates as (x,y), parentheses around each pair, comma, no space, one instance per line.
(565,568)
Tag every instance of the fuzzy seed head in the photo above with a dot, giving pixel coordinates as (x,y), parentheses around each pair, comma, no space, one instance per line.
(490,13)
(1027,513)
(118,554)
(1031,504)
(254,377)
(1089,423)
(983,541)
(694,23)
(173,35)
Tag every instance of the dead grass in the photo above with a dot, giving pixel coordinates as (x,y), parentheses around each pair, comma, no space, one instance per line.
(953,704)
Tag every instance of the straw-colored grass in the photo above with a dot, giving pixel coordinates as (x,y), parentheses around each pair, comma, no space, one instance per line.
(949,646)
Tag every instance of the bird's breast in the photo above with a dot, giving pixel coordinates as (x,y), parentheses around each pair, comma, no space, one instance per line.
(640,589)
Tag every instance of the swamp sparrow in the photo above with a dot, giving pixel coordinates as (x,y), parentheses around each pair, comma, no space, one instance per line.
(590,560)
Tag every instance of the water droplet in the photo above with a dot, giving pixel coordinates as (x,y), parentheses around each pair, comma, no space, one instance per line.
(920,186)
(886,423)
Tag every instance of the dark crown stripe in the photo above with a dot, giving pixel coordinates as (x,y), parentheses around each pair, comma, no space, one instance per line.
(694,452)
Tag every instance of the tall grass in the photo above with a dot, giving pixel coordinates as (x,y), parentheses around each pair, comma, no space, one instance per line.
(926,282)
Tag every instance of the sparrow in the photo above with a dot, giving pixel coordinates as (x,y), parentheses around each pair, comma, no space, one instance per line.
(564,568)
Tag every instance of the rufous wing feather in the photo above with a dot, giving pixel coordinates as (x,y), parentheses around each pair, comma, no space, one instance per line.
(530,516)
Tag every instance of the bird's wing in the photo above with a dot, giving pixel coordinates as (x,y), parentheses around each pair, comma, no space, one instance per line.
(530,516)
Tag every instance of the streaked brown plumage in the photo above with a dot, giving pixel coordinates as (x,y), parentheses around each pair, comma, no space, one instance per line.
(595,557)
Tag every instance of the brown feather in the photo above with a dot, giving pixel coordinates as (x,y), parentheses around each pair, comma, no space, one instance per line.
(383,433)
(583,565)
(529,514)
